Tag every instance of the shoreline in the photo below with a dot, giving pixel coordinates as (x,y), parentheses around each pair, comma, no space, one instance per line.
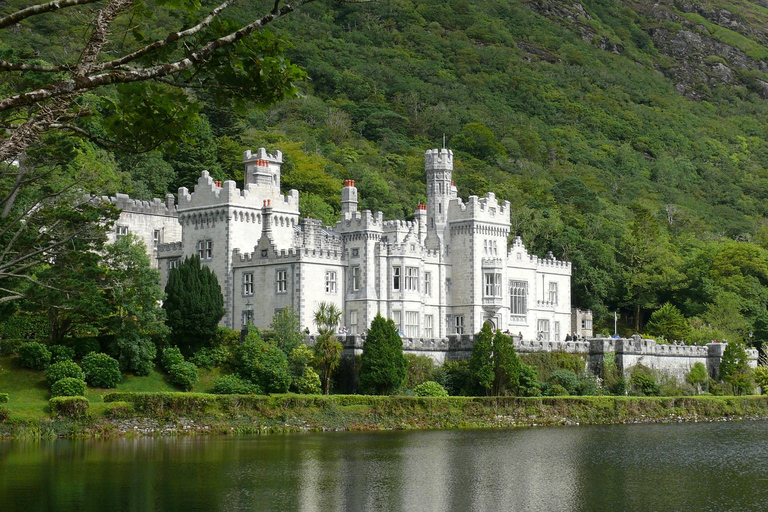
(181,414)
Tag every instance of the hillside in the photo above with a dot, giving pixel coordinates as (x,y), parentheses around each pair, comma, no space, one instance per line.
(630,137)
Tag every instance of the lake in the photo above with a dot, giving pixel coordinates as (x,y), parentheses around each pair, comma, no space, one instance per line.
(695,466)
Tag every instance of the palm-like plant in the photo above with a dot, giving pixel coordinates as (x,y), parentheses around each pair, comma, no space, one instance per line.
(327,349)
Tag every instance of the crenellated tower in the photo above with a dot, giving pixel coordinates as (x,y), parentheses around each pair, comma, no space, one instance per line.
(438,164)
(262,168)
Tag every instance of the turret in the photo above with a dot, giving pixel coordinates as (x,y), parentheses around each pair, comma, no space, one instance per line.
(438,164)
(263,169)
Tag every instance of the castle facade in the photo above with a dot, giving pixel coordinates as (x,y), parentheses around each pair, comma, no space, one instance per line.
(446,272)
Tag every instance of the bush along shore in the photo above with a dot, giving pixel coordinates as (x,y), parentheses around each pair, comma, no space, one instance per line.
(132,414)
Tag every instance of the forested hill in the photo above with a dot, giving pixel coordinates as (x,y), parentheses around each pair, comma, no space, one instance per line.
(630,137)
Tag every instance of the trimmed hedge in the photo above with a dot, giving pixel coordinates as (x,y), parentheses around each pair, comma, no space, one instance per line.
(231,384)
(3,398)
(10,347)
(68,386)
(61,353)
(183,375)
(34,356)
(64,369)
(101,371)
(69,406)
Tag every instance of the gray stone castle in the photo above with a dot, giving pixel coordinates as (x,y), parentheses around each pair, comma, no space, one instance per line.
(446,272)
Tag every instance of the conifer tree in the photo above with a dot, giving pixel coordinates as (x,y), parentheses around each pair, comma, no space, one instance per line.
(382,365)
(493,365)
(194,305)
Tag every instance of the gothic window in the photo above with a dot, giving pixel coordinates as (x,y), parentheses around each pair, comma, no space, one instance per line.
(553,293)
(412,324)
(173,263)
(428,284)
(396,278)
(355,278)
(492,284)
(247,284)
(429,330)
(330,281)
(412,278)
(518,291)
(458,323)
(281,280)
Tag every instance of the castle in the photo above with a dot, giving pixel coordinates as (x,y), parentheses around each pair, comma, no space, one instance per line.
(446,272)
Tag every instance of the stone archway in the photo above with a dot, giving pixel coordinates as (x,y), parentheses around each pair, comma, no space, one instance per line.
(491,323)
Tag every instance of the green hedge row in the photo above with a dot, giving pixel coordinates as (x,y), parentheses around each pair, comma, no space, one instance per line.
(69,406)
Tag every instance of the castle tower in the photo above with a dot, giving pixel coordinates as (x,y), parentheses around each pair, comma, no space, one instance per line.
(438,164)
(263,169)
(348,199)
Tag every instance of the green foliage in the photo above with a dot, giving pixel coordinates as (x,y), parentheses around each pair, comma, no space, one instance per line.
(34,356)
(137,353)
(327,349)
(263,364)
(22,325)
(760,375)
(430,388)
(183,375)
(613,379)
(308,383)
(698,376)
(557,390)
(69,406)
(101,371)
(61,370)
(3,398)
(68,386)
(231,384)
(84,346)
(61,353)
(548,362)
(669,322)
(382,364)
(302,375)
(528,381)
(287,331)
(565,378)
(194,305)
(493,364)
(10,347)
(644,381)
(455,377)
(419,370)
(734,366)
(211,357)
(170,357)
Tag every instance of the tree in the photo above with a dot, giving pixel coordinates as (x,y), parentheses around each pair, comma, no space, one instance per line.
(194,305)
(262,363)
(493,363)
(287,330)
(327,349)
(669,322)
(382,364)
(734,367)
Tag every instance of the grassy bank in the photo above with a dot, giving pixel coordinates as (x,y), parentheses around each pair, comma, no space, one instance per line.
(126,413)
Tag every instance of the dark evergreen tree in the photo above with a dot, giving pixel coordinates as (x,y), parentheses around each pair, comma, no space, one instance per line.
(493,364)
(383,365)
(194,305)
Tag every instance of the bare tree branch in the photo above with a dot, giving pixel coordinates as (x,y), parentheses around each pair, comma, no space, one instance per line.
(34,10)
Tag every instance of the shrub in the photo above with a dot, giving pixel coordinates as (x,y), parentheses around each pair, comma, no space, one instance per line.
(698,377)
(233,385)
(309,382)
(137,353)
(171,356)
(454,376)
(69,406)
(565,378)
(61,353)
(557,390)
(263,364)
(34,356)
(84,346)
(10,347)
(588,386)
(3,398)
(529,381)
(210,357)
(119,410)
(761,378)
(430,388)
(101,371)
(419,370)
(61,370)
(68,386)
(183,375)
(643,381)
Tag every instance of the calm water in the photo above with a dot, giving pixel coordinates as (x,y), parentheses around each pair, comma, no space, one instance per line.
(722,466)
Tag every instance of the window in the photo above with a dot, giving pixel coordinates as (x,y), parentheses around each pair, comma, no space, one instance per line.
(247,317)
(543,330)
(354,278)
(428,284)
(330,281)
(412,278)
(429,330)
(205,249)
(248,284)
(395,278)
(518,290)
(396,317)
(458,323)
(353,322)
(412,324)
(174,263)
(553,293)
(492,284)
(282,281)
(156,238)
(121,230)
(557,331)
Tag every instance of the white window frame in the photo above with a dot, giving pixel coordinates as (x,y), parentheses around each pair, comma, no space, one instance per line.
(121,230)
(458,324)
(518,303)
(492,282)
(354,279)
(429,326)
(411,324)
(281,281)
(396,278)
(428,284)
(353,322)
(173,263)
(557,331)
(542,328)
(330,282)
(397,318)
(552,292)
(157,238)
(205,249)
(412,279)
(247,284)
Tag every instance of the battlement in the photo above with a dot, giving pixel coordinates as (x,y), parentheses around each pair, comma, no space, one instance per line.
(154,207)
(359,221)
(438,159)
(287,255)
(169,247)
(209,193)
(261,154)
(485,209)
(550,262)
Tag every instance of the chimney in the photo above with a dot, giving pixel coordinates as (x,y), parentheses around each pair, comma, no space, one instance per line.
(348,199)
(266,219)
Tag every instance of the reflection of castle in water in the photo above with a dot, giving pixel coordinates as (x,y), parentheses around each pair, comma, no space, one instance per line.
(447,271)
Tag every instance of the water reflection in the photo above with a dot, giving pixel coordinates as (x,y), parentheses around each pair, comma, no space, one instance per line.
(648,467)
